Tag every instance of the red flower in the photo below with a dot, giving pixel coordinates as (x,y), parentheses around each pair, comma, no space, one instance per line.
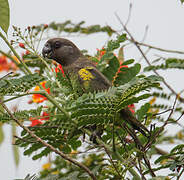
(39,121)
(45,116)
(35,122)
(132,108)
(22,45)
(100,53)
(59,68)
(27,52)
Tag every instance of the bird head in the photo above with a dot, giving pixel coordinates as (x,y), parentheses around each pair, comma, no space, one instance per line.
(61,50)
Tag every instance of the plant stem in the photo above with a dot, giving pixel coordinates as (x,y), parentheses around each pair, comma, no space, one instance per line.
(15,53)
(159,49)
(64,156)
(26,94)
(51,99)
(116,154)
(10,57)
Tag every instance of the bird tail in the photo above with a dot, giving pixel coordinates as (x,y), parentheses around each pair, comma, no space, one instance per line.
(127,115)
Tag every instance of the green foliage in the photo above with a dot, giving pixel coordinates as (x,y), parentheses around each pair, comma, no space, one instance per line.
(142,111)
(23,84)
(114,44)
(65,170)
(70,27)
(135,86)
(111,69)
(22,115)
(109,63)
(126,74)
(4,15)
(93,108)
(119,149)
(170,63)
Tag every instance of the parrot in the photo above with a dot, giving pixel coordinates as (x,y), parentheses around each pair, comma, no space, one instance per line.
(84,75)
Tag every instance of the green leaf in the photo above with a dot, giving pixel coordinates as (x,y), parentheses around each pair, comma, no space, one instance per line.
(66,149)
(126,74)
(178,148)
(112,68)
(142,111)
(122,38)
(127,62)
(4,15)
(24,83)
(74,143)
(114,44)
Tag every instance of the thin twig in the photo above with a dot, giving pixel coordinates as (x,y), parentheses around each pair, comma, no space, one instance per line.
(179,117)
(145,34)
(112,162)
(163,153)
(160,49)
(133,135)
(178,177)
(144,56)
(80,165)
(147,146)
(129,14)
(148,165)
(162,112)
(140,169)
(6,75)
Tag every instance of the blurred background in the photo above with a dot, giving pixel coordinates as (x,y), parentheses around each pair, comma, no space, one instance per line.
(164,20)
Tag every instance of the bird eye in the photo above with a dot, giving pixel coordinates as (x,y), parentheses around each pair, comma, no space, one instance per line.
(57,44)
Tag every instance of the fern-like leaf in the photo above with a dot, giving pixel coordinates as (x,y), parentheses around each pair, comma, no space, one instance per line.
(23,84)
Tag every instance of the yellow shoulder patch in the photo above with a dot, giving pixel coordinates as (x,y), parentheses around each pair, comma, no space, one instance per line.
(85,74)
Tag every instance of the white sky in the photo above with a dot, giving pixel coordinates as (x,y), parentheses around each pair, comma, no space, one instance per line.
(166,29)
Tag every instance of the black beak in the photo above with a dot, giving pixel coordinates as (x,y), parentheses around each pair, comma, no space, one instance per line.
(46,51)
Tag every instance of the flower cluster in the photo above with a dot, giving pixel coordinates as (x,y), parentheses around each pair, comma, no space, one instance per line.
(6,64)
(38,98)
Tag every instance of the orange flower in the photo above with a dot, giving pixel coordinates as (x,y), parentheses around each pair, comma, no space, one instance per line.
(38,98)
(4,66)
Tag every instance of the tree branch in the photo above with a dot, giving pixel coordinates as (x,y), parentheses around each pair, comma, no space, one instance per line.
(80,165)
(144,56)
